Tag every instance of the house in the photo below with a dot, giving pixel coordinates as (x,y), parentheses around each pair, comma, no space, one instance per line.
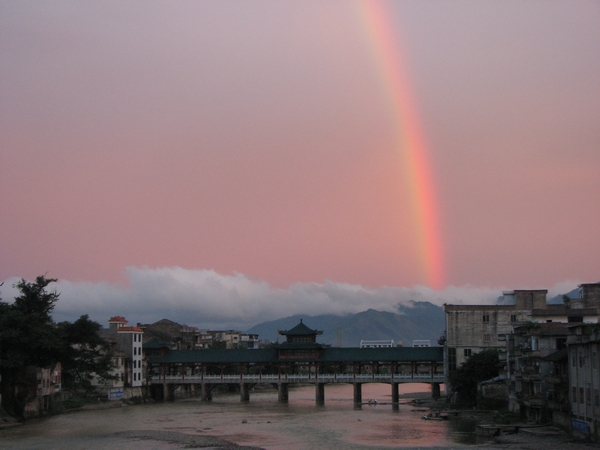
(39,388)
(126,346)
(535,374)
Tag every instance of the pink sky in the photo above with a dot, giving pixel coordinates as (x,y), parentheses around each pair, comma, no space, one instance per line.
(256,137)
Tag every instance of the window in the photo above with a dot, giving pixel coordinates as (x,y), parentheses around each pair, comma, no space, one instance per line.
(588,395)
(596,397)
(467,352)
(486,317)
(487,338)
(513,317)
(574,395)
(581,398)
(451,359)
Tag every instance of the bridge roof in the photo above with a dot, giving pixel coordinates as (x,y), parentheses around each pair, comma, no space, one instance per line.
(387,354)
(327,355)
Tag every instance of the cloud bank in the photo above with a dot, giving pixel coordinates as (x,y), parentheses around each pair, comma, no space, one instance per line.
(207,299)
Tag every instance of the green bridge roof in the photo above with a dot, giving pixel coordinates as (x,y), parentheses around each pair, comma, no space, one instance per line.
(327,355)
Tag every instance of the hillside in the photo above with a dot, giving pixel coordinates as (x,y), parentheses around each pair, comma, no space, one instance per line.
(417,320)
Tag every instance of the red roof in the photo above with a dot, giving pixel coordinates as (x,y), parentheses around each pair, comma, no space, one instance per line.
(117,319)
(135,329)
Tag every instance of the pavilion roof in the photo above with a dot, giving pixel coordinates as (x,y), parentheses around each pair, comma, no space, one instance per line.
(300,330)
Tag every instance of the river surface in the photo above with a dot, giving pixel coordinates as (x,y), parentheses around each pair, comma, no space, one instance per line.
(298,425)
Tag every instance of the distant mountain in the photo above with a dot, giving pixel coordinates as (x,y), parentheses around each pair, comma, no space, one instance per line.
(558,300)
(416,320)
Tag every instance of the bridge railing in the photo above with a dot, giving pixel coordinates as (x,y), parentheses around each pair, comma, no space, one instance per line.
(304,378)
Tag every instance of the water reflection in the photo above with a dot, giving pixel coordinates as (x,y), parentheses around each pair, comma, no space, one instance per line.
(300,424)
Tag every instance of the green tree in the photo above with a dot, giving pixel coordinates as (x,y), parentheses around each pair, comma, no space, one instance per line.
(29,337)
(83,353)
(479,367)
(27,334)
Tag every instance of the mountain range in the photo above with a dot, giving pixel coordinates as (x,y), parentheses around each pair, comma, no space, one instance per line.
(412,321)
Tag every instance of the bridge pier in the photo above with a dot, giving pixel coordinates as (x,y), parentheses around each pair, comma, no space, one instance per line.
(357,393)
(435,390)
(244,392)
(168,392)
(206,392)
(320,393)
(282,392)
(395,393)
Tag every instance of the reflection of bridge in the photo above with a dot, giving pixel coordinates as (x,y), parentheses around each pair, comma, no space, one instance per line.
(300,360)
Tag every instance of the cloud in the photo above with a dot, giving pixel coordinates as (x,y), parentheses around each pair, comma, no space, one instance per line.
(207,299)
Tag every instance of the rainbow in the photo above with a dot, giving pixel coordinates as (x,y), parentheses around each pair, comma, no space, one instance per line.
(411,142)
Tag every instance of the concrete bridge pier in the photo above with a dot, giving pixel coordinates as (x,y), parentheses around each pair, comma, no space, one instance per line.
(169,392)
(435,390)
(282,393)
(320,393)
(245,392)
(395,393)
(357,393)
(206,392)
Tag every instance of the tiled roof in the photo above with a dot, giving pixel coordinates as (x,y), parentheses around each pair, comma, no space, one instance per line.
(119,319)
(300,330)
(156,343)
(269,355)
(130,329)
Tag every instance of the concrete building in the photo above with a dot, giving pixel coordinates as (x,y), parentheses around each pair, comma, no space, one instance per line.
(536,378)
(126,347)
(473,328)
(584,380)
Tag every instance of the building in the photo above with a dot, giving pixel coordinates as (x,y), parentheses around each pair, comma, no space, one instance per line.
(537,381)
(126,347)
(376,343)
(473,328)
(40,387)
(584,380)
(421,343)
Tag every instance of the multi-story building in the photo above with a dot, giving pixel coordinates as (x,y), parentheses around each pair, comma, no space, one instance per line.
(536,379)
(126,346)
(473,328)
(249,341)
(584,380)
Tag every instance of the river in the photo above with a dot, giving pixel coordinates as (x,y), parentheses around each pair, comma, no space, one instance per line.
(262,422)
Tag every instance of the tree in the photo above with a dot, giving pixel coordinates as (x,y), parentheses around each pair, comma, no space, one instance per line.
(29,337)
(27,333)
(479,367)
(83,353)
